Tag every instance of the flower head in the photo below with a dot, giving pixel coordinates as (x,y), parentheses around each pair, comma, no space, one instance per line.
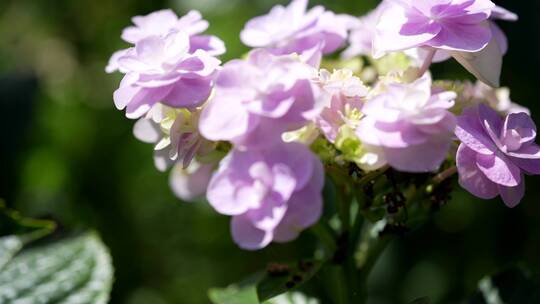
(344,95)
(294,29)
(495,153)
(454,25)
(411,125)
(259,98)
(498,13)
(161,69)
(272,194)
(163,22)
(461,27)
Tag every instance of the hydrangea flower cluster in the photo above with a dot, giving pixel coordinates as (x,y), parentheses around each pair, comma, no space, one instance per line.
(252,134)
(495,153)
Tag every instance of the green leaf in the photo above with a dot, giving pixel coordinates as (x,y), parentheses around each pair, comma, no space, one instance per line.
(9,246)
(75,270)
(275,284)
(234,295)
(278,279)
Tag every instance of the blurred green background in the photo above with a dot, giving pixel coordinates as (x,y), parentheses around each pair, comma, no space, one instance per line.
(66,153)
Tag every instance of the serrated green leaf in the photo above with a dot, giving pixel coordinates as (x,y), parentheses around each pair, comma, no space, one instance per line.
(9,246)
(76,270)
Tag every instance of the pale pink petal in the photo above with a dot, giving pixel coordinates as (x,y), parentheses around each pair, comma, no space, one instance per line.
(247,236)
(426,157)
(485,65)
(395,33)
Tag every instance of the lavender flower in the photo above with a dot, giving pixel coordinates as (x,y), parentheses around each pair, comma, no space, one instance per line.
(294,29)
(162,23)
(259,98)
(457,26)
(272,194)
(411,125)
(175,134)
(345,94)
(161,69)
(498,13)
(495,153)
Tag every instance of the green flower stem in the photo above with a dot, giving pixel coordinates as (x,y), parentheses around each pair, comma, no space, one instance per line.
(325,234)
(439,178)
(342,182)
(344,207)
(371,251)
(338,282)
(355,286)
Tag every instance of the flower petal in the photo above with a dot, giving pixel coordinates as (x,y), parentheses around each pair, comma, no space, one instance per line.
(425,157)
(395,32)
(485,65)
(470,132)
(522,124)
(247,236)
(220,120)
(191,183)
(189,93)
(462,37)
(499,169)
(470,176)
(147,131)
(527,158)
(511,196)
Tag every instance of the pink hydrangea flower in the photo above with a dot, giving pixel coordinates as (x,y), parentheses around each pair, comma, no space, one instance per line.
(344,94)
(294,29)
(454,25)
(495,153)
(163,22)
(498,13)
(272,194)
(161,69)
(259,98)
(460,27)
(411,125)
